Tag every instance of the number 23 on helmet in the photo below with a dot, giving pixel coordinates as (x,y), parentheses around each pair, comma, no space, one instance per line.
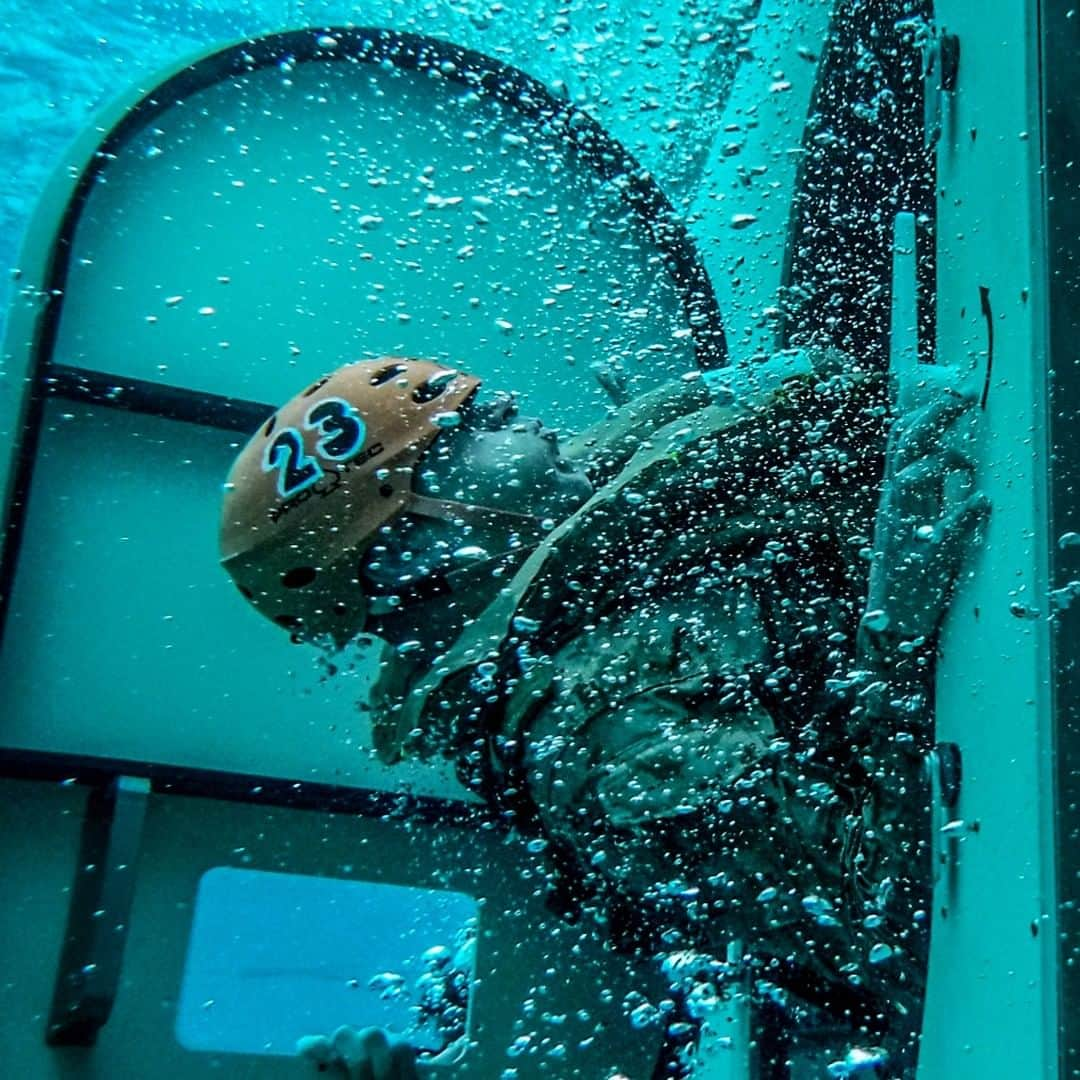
(308,493)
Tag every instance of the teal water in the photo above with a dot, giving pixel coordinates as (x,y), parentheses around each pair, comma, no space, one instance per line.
(251,225)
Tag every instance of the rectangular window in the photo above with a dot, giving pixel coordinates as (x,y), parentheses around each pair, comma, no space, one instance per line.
(273,957)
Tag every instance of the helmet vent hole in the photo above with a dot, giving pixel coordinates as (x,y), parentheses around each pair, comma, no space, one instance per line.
(289,622)
(270,425)
(341,609)
(384,375)
(245,592)
(385,490)
(298,577)
(315,386)
(428,391)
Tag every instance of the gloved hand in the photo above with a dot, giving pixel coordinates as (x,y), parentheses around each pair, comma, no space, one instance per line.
(613,380)
(362,1054)
(929,516)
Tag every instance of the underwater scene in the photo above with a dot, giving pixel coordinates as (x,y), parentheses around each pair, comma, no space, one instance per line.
(540,540)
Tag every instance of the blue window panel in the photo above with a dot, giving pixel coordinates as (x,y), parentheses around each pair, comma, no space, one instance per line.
(273,957)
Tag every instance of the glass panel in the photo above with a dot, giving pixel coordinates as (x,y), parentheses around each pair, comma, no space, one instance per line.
(119,589)
(283,222)
(275,957)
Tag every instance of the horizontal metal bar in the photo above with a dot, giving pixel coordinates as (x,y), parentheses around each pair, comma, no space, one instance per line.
(155,399)
(166,779)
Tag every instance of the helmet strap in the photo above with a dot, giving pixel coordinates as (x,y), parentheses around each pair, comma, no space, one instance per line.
(445,583)
(452,511)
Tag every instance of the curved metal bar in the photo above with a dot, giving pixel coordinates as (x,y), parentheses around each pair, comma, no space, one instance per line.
(35,315)
(506,84)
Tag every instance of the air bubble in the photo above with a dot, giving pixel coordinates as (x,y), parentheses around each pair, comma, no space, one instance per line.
(519,1046)
(388,985)
(859,1061)
(470,553)
(880,953)
(645,1015)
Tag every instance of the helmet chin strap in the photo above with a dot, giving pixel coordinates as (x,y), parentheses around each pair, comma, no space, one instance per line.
(452,511)
(441,583)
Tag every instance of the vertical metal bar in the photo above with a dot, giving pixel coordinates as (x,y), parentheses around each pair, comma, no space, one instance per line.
(100,911)
(1060,84)
(724,1050)
(904,322)
(990,1006)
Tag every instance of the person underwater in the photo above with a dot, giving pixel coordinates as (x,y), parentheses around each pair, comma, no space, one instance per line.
(695,652)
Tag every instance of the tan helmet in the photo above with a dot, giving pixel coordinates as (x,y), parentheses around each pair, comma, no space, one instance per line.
(307,494)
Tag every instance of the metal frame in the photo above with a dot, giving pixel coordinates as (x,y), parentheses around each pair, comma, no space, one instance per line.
(42,279)
(155,399)
(822,245)
(90,965)
(36,311)
(241,787)
(1060,46)
(992,1006)
(182,838)
(88,974)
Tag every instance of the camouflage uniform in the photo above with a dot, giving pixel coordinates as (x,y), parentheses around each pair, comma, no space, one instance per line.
(666,690)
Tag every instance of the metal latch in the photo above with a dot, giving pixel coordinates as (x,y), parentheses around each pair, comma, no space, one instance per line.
(944,765)
(941,69)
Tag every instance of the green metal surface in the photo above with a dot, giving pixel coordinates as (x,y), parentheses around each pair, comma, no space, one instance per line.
(991,1005)
(256,291)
